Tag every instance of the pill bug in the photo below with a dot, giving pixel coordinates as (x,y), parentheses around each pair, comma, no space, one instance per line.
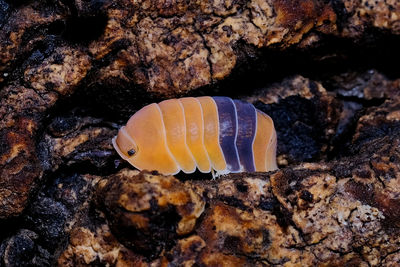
(212,134)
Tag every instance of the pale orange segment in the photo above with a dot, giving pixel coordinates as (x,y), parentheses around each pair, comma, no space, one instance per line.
(175,129)
(195,132)
(262,146)
(211,133)
(147,130)
(271,153)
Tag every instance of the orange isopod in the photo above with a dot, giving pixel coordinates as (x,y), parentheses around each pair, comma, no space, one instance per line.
(208,133)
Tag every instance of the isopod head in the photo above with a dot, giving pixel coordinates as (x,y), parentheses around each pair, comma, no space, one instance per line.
(141,142)
(124,144)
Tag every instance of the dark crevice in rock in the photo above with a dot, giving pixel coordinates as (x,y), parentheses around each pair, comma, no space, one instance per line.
(12,225)
(54,208)
(208,55)
(342,142)
(84,29)
(17,3)
(298,127)
(341,13)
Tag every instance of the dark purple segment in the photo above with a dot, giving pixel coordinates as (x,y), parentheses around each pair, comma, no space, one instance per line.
(228,131)
(247,120)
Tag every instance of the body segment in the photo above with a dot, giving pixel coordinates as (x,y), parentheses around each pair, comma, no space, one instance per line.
(265,135)
(175,130)
(195,132)
(247,123)
(210,133)
(228,132)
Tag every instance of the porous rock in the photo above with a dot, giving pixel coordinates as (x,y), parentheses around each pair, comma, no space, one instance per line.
(22,250)
(305,116)
(337,212)
(75,140)
(22,111)
(153,209)
(310,214)
(143,49)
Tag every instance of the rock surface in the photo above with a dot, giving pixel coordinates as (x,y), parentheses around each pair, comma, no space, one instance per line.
(336,213)
(71,73)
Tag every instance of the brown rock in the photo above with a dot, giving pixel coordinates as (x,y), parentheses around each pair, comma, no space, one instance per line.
(22,111)
(370,85)
(188,45)
(18,29)
(77,140)
(87,248)
(333,213)
(19,164)
(61,72)
(64,65)
(363,14)
(303,108)
(306,215)
(147,211)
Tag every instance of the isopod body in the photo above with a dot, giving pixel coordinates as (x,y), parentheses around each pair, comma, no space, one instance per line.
(208,133)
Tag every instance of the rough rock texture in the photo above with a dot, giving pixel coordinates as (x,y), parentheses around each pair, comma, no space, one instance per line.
(338,213)
(22,111)
(305,116)
(158,207)
(72,72)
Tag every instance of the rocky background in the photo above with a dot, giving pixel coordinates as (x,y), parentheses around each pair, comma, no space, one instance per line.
(73,72)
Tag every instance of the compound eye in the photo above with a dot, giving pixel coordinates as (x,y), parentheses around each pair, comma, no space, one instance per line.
(131,152)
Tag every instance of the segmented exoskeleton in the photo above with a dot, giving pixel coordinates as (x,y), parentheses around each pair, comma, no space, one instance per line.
(210,133)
